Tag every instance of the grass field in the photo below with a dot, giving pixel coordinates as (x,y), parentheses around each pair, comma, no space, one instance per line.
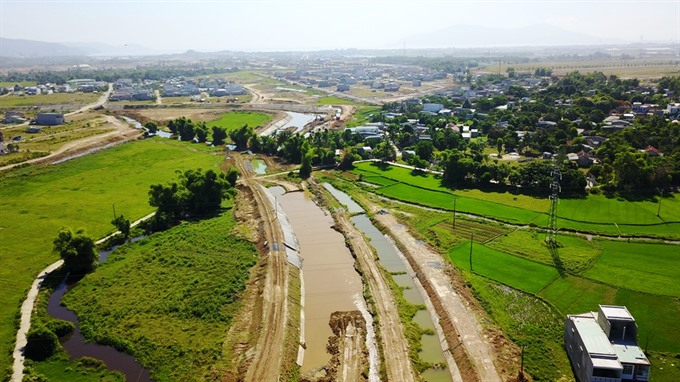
(651,268)
(519,273)
(530,322)
(594,213)
(76,99)
(234,120)
(361,115)
(60,369)
(169,298)
(5,84)
(575,253)
(37,201)
(332,100)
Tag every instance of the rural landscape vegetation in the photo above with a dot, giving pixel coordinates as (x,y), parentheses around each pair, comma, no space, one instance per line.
(223,216)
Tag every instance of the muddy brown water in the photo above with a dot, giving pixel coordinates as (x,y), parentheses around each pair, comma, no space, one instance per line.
(331,283)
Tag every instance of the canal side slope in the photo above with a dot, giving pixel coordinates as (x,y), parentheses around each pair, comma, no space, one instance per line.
(431,270)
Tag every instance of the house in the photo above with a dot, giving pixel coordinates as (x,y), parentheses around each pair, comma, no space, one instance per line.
(14,117)
(405,154)
(432,107)
(595,140)
(49,119)
(545,124)
(652,151)
(584,159)
(392,87)
(673,110)
(602,346)
(342,88)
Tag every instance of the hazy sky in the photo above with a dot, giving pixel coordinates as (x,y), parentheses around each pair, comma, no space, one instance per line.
(318,24)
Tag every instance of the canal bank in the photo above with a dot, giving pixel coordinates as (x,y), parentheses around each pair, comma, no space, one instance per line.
(432,341)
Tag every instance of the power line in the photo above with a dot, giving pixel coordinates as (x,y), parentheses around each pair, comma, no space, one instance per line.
(554,197)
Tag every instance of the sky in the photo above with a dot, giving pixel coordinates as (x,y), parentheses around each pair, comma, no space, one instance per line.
(283,25)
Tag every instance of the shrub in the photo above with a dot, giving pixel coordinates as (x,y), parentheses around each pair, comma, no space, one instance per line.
(41,343)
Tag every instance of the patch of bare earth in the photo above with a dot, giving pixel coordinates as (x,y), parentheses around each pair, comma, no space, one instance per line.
(349,356)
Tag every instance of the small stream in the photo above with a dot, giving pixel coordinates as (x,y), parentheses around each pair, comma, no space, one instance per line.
(76,346)
(390,258)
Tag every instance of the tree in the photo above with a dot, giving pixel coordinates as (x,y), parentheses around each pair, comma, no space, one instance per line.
(122,225)
(385,152)
(499,146)
(201,133)
(151,127)
(306,168)
(40,343)
(196,194)
(76,249)
(348,159)
(218,135)
(424,149)
(241,136)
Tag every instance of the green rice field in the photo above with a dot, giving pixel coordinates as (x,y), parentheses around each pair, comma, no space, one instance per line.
(594,213)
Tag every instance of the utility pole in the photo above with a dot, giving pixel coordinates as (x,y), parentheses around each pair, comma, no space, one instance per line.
(472,238)
(114,210)
(554,197)
(521,370)
(454,212)
(658,210)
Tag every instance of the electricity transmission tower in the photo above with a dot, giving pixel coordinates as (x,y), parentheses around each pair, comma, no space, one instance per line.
(554,191)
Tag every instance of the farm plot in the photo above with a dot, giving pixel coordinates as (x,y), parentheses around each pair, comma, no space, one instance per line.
(519,273)
(651,268)
(574,252)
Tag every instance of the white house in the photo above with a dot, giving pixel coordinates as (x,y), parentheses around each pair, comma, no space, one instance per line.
(602,346)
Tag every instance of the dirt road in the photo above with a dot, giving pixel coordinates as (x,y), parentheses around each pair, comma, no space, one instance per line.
(266,361)
(122,133)
(452,309)
(394,344)
(258,97)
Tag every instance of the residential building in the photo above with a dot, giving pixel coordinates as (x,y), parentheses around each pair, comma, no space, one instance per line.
(432,107)
(49,119)
(602,346)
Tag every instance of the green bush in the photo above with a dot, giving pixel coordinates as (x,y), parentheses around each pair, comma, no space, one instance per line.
(41,343)
(60,327)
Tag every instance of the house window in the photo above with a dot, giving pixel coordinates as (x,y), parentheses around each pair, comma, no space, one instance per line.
(628,369)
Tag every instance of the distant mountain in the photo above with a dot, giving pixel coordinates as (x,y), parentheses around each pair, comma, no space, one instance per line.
(100,49)
(29,48)
(469,36)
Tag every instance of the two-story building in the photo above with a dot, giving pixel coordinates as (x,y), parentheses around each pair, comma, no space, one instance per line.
(602,346)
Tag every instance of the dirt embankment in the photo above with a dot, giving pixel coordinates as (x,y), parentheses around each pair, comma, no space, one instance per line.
(347,347)
(468,342)
(393,342)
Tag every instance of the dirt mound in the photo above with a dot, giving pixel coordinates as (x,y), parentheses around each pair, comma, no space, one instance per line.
(349,356)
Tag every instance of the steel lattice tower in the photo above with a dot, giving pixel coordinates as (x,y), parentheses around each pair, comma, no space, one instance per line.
(554,197)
